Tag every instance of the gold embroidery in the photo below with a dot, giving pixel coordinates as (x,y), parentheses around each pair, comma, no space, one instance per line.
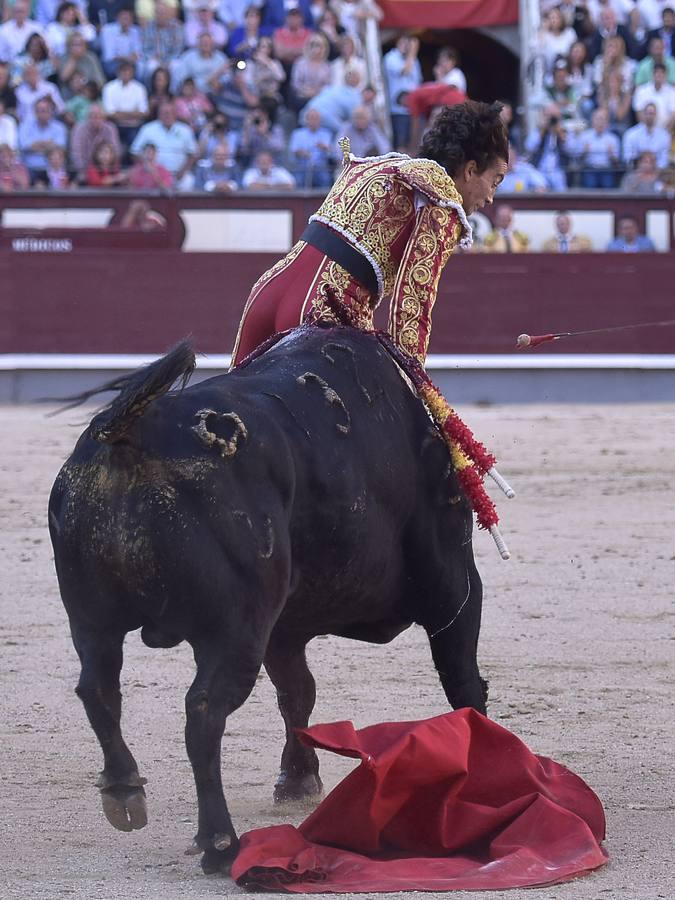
(372,204)
(417,283)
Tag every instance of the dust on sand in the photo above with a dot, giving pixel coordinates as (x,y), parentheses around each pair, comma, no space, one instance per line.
(577,644)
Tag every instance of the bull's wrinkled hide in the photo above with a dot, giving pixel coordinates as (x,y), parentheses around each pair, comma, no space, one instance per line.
(451,803)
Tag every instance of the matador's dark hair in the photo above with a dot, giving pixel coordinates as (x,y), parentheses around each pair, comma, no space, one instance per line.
(465,131)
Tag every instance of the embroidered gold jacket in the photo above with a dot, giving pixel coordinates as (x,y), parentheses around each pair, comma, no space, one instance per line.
(405,216)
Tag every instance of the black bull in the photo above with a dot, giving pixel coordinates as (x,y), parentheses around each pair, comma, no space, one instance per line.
(306,494)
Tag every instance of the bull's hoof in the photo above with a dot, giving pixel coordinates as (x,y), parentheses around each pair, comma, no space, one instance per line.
(297,787)
(218,852)
(125,807)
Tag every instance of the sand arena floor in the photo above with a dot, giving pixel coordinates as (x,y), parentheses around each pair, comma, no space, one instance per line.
(577,643)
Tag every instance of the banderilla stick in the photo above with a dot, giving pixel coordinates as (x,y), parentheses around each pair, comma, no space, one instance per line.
(530,341)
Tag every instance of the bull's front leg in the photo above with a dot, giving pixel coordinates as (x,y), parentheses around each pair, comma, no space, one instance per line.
(225,677)
(453,630)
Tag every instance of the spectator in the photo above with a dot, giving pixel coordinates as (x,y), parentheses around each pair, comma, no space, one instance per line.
(616,99)
(233,12)
(556,37)
(217,131)
(8,129)
(353,15)
(521,177)
(7,94)
(265,74)
(275,13)
(549,149)
(147,174)
(512,125)
(83,95)
(647,135)
(348,59)
(192,106)
(120,42)
(562,94)
(645,178)
(201,63)
(79,59)
(580,77)
(69,19)
(125,102)
(175,142)
(204,22)
(652,12)
(13,175)
(14,33)
(103,11)
(657,93)
(40,133)
(55,176)
(310,73)
(260,135)
(638,38)
(104,170)
(161,40)
(264,175)
(86,137)
(645,71)
(244,38)
(311,151)
(32,89)
(36,53)
(160,92)
(447,69)
(503,238)
(231,93)
(219,174)
(404,74)
(608,27)
(335,103)
(328,25)
(614,59)
(47,11)
(666,31)
(290,39)
(564,240)
(365,138)
(599,152)
(629,239)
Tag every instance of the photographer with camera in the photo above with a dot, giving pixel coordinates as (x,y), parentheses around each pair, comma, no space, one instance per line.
(259,135)
(548,148)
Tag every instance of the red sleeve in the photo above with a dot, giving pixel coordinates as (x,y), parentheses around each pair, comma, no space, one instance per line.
(94,177)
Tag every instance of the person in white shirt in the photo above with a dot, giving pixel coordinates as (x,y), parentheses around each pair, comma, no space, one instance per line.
(32,89)
(263,175)
(447,70)
(125,101)
(657,93)
(599,151)
(8,130)
(647,136)
(348,61)
(15,31)
(555,38)
(652,12)
(69,18)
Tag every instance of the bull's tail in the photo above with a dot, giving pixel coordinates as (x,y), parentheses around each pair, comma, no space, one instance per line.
(137,391)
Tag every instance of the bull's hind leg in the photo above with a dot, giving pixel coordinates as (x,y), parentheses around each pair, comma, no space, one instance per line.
(226,674)
(453,629)
(122,793)
(286,665)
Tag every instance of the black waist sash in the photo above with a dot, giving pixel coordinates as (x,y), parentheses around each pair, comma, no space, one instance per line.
(336,248)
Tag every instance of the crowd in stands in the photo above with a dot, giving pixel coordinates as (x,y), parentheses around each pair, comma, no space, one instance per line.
(221,95)
(211,95)
(607,116)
